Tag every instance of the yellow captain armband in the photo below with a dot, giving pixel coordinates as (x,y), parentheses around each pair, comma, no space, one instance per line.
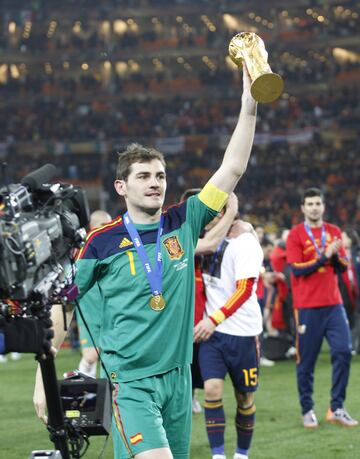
(213,197)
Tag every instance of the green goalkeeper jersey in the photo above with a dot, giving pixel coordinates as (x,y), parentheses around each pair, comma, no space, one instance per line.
(137,341)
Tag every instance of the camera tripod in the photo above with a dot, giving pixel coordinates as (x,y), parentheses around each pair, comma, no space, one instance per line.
(70,440)
(61,434)
(56,424)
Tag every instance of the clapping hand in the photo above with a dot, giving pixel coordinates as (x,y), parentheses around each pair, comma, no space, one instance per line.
(333,248)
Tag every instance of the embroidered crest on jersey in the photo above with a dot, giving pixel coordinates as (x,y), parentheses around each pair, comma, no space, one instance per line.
(173,247)
(125,243)
(136,438)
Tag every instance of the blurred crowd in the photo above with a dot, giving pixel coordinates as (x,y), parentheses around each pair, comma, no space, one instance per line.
(314,20)
(61,118)
(66,99)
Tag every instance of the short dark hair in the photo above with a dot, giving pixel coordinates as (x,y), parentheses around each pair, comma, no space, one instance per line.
(311,192)
(189,192)
(135,153)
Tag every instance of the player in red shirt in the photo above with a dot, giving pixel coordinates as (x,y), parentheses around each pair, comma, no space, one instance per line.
(315,253)
(279,263)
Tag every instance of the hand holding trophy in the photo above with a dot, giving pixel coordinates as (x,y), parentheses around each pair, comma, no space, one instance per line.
(247,46)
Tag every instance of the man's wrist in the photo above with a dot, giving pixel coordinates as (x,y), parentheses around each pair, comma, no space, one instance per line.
(231,210)
(248,106)
(213,320)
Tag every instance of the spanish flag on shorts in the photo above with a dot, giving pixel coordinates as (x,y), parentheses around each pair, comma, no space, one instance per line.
(136,438)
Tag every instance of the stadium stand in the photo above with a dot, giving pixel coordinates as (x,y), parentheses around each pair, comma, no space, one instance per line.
(76,85)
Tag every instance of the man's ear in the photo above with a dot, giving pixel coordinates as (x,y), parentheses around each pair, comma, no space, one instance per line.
(120,187)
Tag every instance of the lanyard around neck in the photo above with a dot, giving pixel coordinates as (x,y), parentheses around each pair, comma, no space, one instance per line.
(153,274)
(312,238)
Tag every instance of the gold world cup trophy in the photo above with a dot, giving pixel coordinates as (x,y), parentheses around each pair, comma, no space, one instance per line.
(266,86)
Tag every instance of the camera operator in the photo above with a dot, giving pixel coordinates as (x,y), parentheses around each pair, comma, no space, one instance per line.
(41,227)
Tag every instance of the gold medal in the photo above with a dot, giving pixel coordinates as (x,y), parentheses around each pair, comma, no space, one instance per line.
(157,302)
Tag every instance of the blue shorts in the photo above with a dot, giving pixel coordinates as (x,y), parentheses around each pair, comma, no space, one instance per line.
(197,382)
(236,355)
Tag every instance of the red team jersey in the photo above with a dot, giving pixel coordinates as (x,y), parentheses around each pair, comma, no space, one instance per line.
(319,288)
(278,263)
(200,298)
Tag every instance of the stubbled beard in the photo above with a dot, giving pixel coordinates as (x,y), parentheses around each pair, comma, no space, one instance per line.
(314,219)
(151,211)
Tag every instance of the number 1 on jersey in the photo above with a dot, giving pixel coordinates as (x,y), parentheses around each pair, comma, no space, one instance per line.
(131,262)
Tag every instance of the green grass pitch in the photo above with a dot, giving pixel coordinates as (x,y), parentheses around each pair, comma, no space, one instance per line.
(278,434)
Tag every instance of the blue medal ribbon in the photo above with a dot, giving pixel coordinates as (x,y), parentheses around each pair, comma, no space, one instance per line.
(312,238)
(153,274)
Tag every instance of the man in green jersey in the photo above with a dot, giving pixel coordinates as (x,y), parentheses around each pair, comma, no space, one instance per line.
(143,263)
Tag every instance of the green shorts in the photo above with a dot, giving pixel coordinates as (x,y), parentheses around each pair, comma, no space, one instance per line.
(153,412)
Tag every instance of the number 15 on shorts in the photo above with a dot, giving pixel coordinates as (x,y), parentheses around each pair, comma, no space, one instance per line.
(250,376)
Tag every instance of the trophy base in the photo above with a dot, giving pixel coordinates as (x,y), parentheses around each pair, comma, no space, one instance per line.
(267,87)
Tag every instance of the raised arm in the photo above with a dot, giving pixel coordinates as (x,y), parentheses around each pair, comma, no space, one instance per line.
(239,148)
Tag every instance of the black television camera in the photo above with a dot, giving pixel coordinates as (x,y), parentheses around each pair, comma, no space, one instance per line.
(41,228)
